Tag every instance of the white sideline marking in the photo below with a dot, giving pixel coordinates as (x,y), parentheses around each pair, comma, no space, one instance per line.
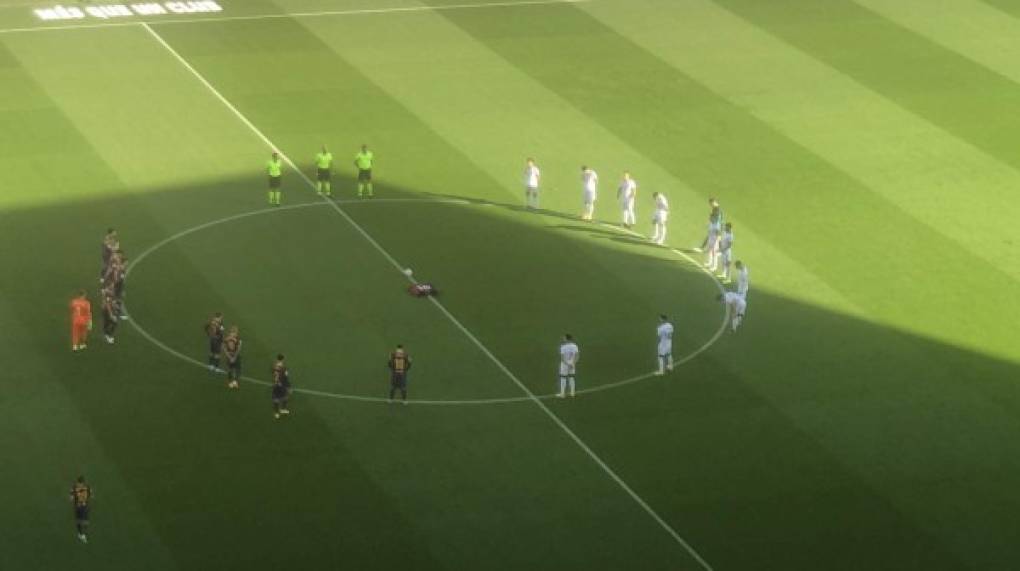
(552,416)
(295,15)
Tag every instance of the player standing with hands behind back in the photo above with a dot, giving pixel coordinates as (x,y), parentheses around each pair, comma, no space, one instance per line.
(363,162)
(665,349)
(81,321)
(569,353)
(324,172)
(399,364)
(274,168)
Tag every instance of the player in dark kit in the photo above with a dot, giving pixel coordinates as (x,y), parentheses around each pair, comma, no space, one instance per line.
(110,314)
(214,331)
(232,351)
(110,245)
(81,496)
(281,387)
(399,364)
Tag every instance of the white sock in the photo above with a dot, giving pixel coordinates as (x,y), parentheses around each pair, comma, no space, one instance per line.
(662,364)
(669,361)
(563,385)
(572,384)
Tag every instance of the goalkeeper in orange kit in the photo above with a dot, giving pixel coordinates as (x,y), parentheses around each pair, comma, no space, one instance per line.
(81,321)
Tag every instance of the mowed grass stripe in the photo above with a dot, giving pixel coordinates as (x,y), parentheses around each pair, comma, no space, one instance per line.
(641,535)
(496,115)
(972,102)
(429,165)
(186,442)
(944,182)
(51,440)
(44,159)
(445,99)
(166,134)
(817,214)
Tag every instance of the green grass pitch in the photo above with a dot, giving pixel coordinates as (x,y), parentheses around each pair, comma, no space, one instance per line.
(864,417)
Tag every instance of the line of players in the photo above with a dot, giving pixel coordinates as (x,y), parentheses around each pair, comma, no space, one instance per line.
(717,246)
(112,278)
(226,344)
(718,242)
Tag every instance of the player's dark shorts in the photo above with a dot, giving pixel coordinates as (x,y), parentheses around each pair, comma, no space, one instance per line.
(399,380)
(280,393)
(274,181)
(81,513)
(364,175)
(234,369)
(215,346)
(324,175)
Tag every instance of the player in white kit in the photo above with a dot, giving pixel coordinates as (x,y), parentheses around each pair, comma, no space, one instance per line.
(715,216)
(726,251)
(590,192)
(736,305)
(626,193)
(569,354)
(531,178)
(659,218)
(743,280)
(665,349)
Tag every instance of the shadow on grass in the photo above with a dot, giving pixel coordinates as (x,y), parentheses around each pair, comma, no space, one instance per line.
(808,429)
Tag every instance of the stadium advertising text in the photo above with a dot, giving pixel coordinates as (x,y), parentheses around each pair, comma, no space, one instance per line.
(108,11)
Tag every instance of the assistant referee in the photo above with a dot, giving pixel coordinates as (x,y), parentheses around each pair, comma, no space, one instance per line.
(363,162)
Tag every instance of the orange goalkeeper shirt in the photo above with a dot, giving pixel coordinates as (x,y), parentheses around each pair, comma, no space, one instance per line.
(81,310)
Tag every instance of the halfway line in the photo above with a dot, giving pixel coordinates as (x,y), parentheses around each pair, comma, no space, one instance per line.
(499,364)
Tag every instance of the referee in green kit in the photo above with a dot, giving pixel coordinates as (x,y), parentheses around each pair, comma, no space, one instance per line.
(363,162)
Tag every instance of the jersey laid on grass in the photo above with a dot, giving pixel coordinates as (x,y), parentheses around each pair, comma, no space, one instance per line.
(665,335)
(531,176)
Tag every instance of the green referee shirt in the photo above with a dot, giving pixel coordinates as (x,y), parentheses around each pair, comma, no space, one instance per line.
(323,160)
(364,160)
(274,168)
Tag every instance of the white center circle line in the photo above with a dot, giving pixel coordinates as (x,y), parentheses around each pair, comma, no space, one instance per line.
(358,398)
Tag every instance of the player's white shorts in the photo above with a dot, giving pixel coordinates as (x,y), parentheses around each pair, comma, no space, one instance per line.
(713,239)
(665,349)
(725,256)
(589,197)
(627,205)
(660,216)
(531,189)
(567,370)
